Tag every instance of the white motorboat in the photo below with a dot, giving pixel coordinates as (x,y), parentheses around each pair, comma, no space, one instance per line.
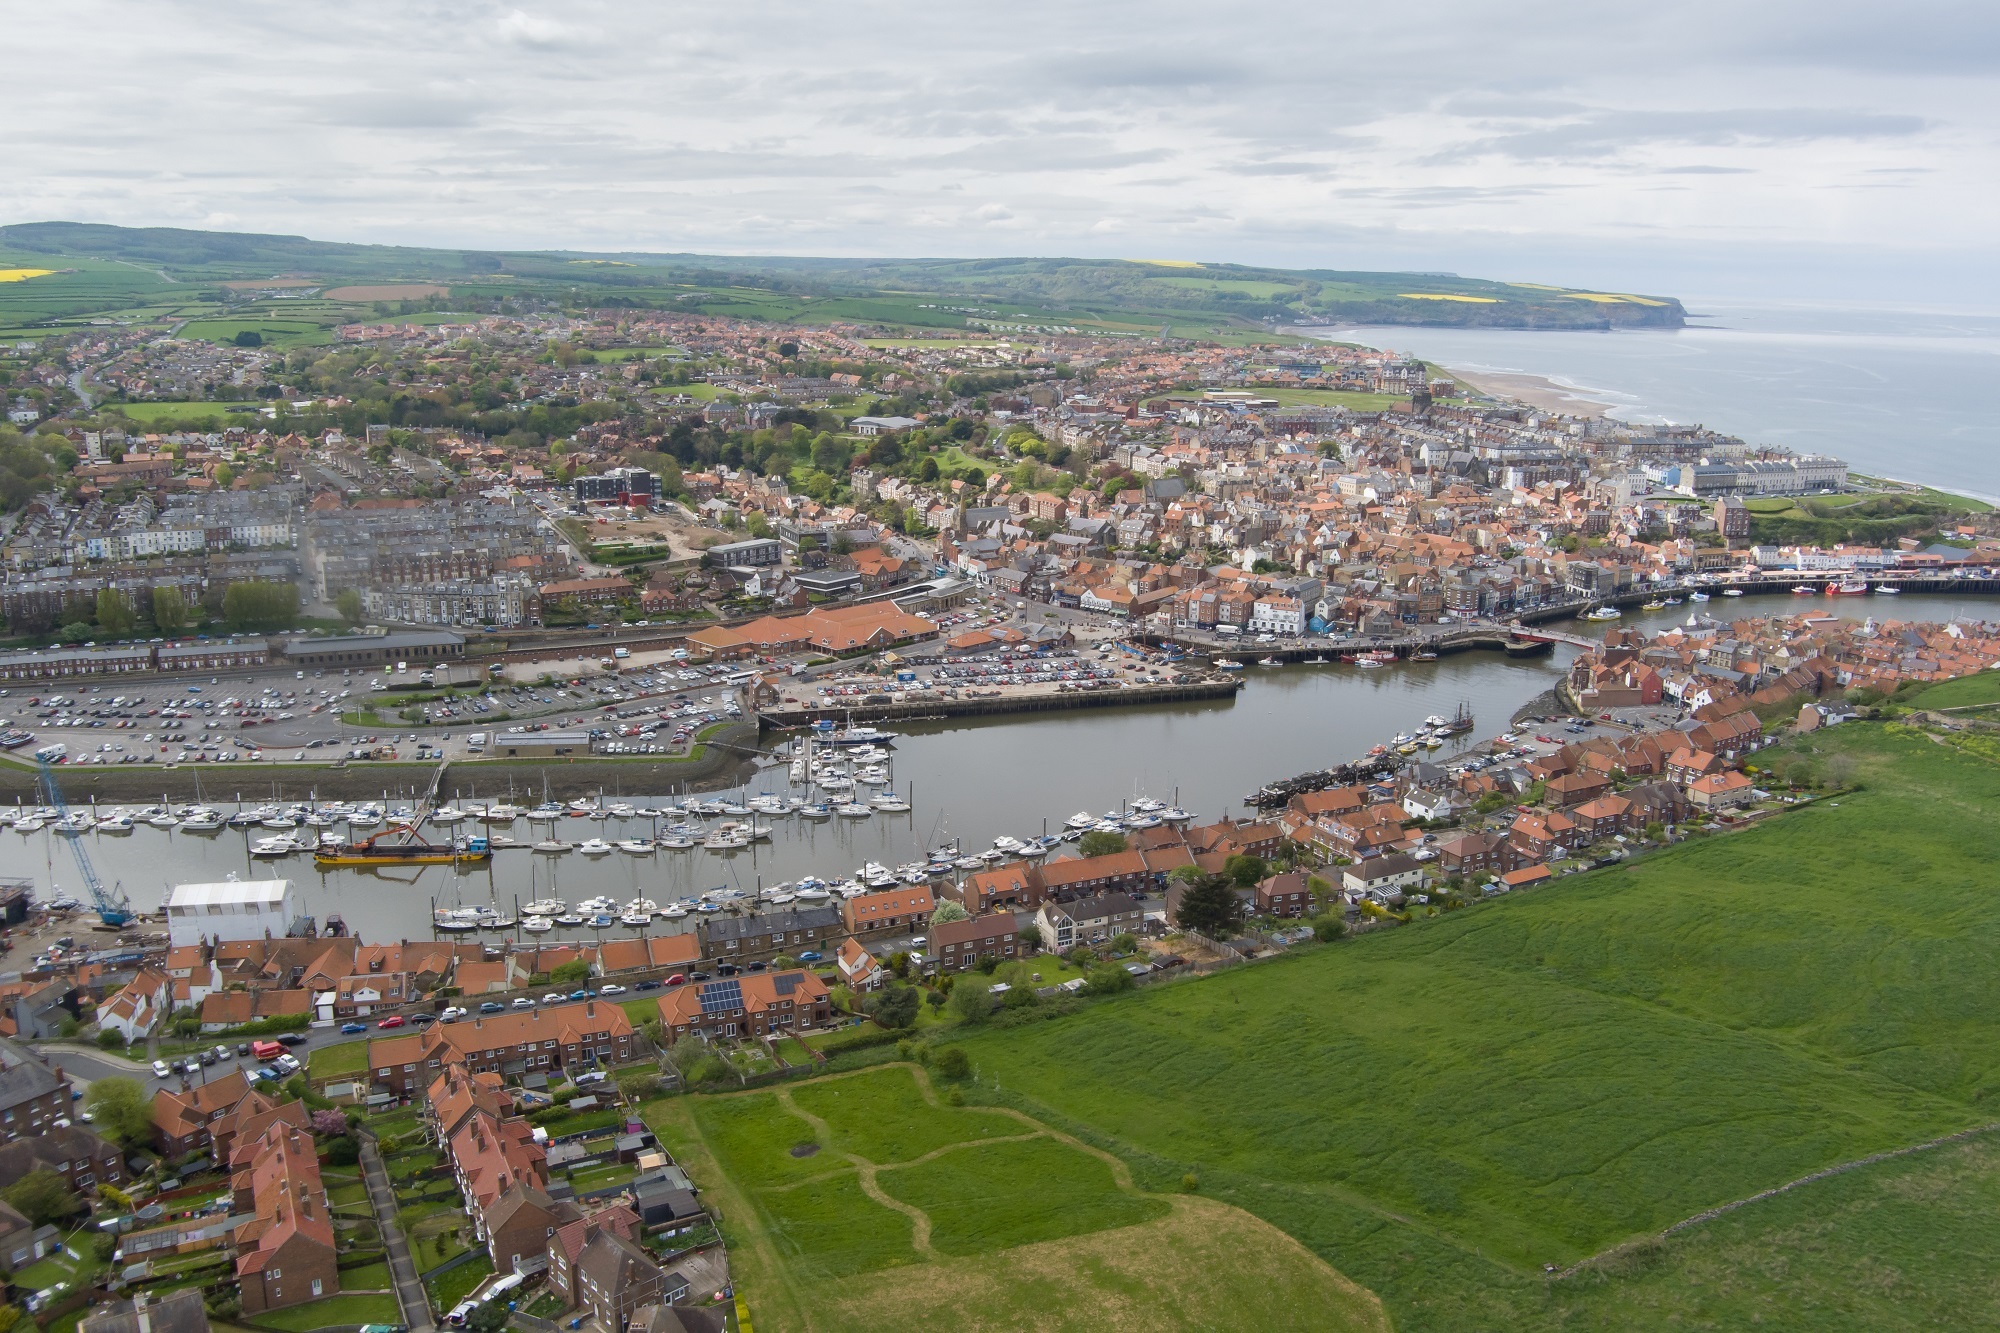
(273,847)
(203,821)
(725,840)
(635,846)
(636,920)
(814,894)
(675,842)
(1732,592)
(569,920)
(537,925)
(622,811)
(503,813)
(851,810)
(1702,596)
(674,911)
(1003,843)
(1082,819)
(598,904)
(551,846)
(1173,814)
(889,803)
(119,823)
(595,847)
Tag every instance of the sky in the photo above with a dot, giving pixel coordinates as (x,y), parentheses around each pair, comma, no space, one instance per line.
(1813,150)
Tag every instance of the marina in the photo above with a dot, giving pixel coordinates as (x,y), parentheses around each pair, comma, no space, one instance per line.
(941,796)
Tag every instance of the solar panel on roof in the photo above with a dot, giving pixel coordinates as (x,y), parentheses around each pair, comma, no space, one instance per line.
(784,982)
(719,996)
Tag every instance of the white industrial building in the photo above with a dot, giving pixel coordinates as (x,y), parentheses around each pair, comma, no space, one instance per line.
(247,909)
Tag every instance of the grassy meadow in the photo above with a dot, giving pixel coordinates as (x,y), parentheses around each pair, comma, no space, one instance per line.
(851,1196)
(1441,1112)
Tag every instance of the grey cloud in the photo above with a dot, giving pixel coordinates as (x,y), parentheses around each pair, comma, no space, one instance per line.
(1611,132)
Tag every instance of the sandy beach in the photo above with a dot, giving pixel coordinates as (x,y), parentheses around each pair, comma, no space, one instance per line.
(1533,390)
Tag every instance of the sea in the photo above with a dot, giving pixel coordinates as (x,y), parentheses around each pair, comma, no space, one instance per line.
(1899,393)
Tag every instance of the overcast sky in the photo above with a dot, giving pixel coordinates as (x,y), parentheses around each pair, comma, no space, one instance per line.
(1815,148)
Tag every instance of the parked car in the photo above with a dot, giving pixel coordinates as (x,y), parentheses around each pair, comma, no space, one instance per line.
(351,1028)
(654,985)
(809,956)
(523,1002)
(554,997)
(161,1069)
(452,1011)
(491,1007)
(611,990)
(392,1021)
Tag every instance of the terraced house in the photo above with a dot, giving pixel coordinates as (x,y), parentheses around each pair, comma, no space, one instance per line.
(286,1255)
(537,1041)
(756,1004)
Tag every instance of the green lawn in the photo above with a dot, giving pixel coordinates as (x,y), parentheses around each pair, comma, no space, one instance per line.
(832,1229)
(448,1289)
(368,1277)
(602,1177)
(352,1193)
(1007,1194)
(341,1061)
(333,1312)
(1441,1111)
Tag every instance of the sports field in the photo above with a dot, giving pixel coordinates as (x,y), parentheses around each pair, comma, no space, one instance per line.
(858,1198)
(1442,1112)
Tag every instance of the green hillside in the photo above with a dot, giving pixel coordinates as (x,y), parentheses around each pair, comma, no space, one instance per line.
(1445,1113)
(168,274)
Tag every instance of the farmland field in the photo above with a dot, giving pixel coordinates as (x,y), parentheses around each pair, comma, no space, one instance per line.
(1440,1112)
(850,1195)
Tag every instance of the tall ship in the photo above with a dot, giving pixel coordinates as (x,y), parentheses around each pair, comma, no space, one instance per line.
(399,845)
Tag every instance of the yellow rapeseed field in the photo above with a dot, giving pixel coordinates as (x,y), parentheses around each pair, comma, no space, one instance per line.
(1447,296)
(1612,298)
(23,274)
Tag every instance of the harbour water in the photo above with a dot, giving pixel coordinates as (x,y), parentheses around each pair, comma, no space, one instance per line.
(1897,393)
(970,780)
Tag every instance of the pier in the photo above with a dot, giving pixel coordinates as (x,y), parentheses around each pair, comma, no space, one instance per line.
(924,710)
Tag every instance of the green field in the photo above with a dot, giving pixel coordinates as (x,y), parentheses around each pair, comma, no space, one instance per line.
(275,332)
(151,413)
(852,1199)
(1349,398)
(1966,691)
(1440,1112)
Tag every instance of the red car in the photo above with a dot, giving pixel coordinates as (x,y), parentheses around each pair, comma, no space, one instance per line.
(677,980)
(392,1021)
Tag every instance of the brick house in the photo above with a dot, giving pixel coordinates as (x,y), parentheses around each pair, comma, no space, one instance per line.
(1122,871)
(519,1225)
(754,1004)
(566,1244)
(82,1159)
(907,907)
(1575,788)
(286,1255)
(1014,884)
(1283,895)
(768,934)
(535,1041)
(615,1276)
(32,1098)
(957,945)
(1720,791)
(1477,853)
